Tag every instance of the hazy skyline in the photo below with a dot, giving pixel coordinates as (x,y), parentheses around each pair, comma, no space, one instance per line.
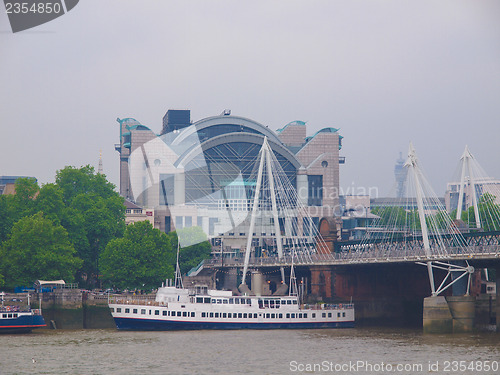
(384,72)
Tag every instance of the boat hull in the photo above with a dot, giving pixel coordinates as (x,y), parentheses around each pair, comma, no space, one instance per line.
(21,324)
(169,325)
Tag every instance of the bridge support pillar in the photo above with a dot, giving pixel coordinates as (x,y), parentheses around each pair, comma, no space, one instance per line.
(321,282)
(437,315)
(498,299)
(452,314)
(463,310)
(257,283)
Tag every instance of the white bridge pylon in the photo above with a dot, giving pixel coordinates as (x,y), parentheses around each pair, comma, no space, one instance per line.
(265,157)
(438,229)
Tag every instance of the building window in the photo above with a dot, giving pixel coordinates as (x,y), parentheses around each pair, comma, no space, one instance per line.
(178,222)
(189,222)
(315,190)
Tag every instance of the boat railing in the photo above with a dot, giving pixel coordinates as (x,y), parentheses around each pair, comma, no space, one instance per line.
(134,300)
(328,306)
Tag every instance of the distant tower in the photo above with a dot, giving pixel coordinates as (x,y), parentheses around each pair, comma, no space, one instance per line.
(400,174)
(99,168)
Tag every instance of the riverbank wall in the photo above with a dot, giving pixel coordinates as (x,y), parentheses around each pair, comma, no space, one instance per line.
(74,309)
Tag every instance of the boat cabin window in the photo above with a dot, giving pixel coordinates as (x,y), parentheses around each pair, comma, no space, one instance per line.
(229,315)
(199,299)
(329,315)
(244,315)
(343,314)
(127,311)
(134,311)
(288,315)
(213,300)
(216,315)
(118,309)
(179,313)
(300,316)
(294,302)
(224,301)
(143,311)
(184,313)
(314,315)
(273,316)
(239,315)
(323,315)
(193,315)
(211,314)
(157,312)
(224,315)
(255,316)
(293,316)
(203,315)
(338,315)
(237,301)
(231,301)
(289,302)
(207,299)
(219,301)
(165,313)
(305,315)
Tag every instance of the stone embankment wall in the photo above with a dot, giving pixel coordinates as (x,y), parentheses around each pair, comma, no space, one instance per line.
(74,309)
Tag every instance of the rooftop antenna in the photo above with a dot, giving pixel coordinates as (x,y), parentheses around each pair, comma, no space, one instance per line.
(99,168)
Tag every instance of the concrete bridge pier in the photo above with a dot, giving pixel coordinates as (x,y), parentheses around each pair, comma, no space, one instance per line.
(257,283)
(452,314)
(498,299)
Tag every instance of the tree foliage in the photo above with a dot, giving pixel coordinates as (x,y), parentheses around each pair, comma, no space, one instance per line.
(489,213)
(85,204)
(141,259)
(38,248)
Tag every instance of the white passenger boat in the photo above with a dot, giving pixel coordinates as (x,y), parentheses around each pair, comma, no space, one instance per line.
(201,308)
(176,307)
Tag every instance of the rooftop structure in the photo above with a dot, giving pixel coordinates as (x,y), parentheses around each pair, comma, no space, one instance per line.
(201,173)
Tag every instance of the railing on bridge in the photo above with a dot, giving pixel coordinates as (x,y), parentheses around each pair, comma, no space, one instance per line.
(478,245)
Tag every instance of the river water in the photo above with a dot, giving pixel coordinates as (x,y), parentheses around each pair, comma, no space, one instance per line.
(337,351)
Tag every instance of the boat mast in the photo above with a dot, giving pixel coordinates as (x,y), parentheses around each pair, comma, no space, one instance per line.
(178,276)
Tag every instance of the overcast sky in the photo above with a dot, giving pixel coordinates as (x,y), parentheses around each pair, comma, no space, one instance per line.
(384,72)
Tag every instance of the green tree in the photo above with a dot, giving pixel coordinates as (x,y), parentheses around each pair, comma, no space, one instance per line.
(38,249)
(94,215)
(50,202)
(141,259)
(489,213)
(75,181)
(8,216)
(191,256)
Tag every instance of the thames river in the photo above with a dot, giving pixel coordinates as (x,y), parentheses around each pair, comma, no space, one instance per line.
(342,351)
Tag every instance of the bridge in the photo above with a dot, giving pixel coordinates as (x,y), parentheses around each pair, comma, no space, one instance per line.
(479,245)
(433,239)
